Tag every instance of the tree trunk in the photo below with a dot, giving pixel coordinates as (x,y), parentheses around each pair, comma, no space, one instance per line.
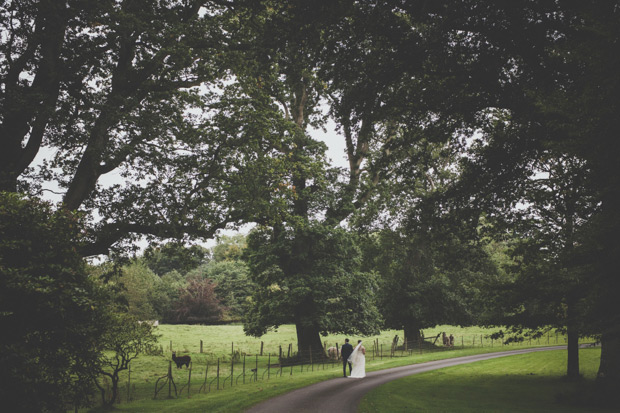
(572,369)
(114,390)
(609,369)
(608,376)
(88,171)
(412,334)
(26,110)
(309,340)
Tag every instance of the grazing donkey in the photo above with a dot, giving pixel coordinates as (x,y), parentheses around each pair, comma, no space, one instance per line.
(180,361)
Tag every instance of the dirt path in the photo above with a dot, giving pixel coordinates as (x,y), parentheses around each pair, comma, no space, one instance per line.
(344,394)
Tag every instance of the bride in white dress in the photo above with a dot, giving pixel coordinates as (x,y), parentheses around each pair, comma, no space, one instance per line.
(358,360)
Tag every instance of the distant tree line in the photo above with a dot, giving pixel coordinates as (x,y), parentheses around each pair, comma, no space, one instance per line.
(173,283)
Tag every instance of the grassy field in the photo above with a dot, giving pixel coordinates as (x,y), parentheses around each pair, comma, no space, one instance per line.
(533,382)
(228,345)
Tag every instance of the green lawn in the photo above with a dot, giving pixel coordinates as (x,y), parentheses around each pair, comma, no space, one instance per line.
(533,382)
(220,341)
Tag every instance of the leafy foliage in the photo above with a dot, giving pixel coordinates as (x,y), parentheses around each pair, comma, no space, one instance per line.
(174,257)
(136,284)
(204,111)
(165,293)
(115,87)
(230,274)
(422,283)
(311,277)
(233,286)
(51,313)
(229,248)
(558,104)
(125,339)
(197,303)
(549,270)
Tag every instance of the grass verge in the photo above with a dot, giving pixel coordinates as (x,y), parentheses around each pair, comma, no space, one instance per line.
(532,382)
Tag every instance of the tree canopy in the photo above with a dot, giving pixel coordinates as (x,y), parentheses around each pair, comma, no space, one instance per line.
(312,278)
(52,314)
(124,89)
(449,111)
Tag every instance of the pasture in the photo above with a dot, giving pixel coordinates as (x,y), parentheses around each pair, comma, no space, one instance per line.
(237,386)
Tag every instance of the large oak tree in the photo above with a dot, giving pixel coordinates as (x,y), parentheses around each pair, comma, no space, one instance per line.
(339,56)
(109,104)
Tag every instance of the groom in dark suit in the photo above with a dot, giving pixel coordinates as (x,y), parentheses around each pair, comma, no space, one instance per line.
(346,351)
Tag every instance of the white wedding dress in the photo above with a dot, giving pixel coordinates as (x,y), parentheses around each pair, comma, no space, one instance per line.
(358,360)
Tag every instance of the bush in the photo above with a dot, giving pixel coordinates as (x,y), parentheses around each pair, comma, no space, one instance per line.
(125,339)
(198,303)
(50,312)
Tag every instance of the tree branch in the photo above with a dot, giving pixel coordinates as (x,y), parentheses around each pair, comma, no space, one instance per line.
(111,233)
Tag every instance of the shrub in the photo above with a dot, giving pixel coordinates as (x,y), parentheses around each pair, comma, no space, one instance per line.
(50,311)
(198,303)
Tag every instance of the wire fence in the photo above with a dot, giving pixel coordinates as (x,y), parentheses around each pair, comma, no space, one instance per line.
(161,378)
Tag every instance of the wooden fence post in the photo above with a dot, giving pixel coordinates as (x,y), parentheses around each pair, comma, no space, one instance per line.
(200,346)
(128,382)
(204,385)
(189,380)
(170,377)
(261,348)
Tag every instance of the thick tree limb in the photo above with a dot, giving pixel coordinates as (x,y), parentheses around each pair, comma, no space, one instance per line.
(111,233)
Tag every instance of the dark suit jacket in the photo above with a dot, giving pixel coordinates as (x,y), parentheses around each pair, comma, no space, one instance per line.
(346,351)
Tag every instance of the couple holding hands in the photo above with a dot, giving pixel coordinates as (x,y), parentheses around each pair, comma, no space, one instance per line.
(355,358)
